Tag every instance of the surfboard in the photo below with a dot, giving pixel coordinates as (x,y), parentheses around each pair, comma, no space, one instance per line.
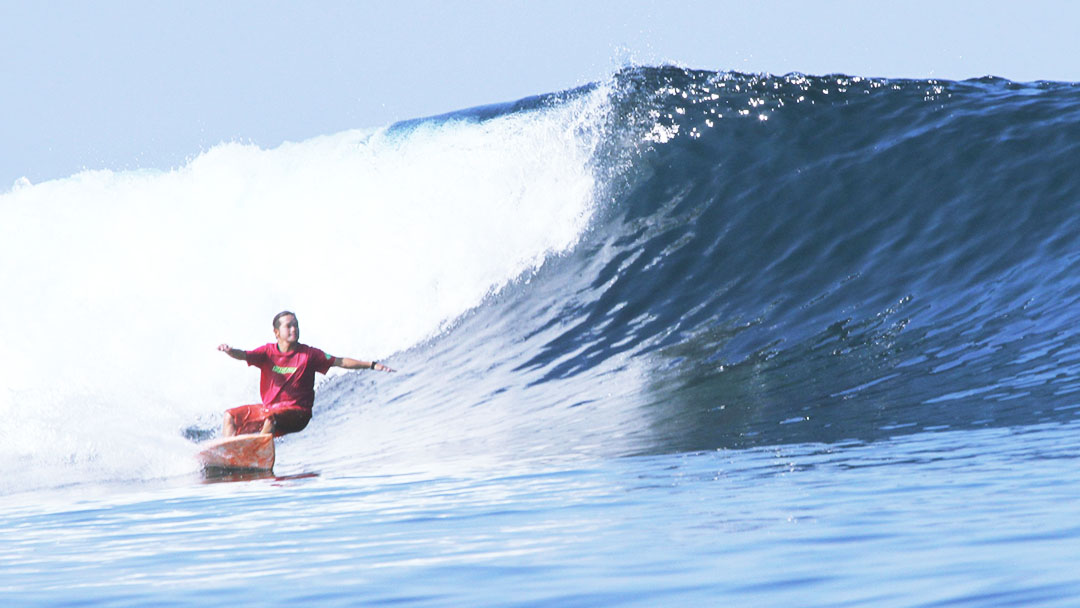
(253,452)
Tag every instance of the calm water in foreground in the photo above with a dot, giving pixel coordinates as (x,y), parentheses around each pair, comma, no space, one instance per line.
(960,518)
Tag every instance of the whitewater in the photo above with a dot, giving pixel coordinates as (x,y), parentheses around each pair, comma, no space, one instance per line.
(675,338)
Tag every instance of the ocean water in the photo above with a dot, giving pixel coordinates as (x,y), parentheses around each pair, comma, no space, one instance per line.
(675,338)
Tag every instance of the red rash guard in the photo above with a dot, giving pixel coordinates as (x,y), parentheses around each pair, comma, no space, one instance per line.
(288,379)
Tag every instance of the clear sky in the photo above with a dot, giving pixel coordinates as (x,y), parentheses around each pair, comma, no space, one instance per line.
(133,84)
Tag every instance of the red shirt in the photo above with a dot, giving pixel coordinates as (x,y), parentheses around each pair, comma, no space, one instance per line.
(288,379)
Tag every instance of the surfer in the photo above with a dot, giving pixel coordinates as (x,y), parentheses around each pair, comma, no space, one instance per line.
(287,385)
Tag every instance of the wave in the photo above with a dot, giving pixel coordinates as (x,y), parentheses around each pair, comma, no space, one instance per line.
(672,260)
(782,259)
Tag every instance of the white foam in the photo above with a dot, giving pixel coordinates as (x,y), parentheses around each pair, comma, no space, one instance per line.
(118,286)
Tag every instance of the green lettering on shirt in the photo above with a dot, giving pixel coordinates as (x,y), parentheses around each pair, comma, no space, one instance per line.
(285,371)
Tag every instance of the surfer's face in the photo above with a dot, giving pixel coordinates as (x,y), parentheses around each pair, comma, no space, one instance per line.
(287,330)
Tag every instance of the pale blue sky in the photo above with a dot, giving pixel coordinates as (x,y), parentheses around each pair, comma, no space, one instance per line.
(124,85)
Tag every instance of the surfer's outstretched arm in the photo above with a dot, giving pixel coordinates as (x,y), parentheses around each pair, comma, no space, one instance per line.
(235,353)
(348,363)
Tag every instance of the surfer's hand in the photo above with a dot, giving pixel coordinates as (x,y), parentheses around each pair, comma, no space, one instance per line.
(379,367)
(239,355)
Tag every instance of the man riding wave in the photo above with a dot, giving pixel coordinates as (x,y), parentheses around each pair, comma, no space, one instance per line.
(287,384)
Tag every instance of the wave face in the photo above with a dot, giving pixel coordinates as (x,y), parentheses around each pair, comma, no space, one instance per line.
(670,261)
(783,259)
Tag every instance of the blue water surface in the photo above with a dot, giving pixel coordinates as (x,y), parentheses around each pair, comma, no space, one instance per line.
(971,518)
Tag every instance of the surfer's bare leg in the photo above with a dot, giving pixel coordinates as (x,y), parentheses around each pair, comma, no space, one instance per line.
(228,428)
(268,426)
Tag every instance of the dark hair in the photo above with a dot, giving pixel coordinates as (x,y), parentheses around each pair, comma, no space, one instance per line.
(282,314)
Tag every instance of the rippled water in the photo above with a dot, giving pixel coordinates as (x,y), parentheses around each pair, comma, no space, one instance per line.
(965,518)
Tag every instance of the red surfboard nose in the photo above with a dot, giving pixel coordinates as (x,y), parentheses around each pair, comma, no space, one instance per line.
(253,452)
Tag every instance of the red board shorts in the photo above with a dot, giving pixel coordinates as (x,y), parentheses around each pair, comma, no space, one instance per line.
(287,419)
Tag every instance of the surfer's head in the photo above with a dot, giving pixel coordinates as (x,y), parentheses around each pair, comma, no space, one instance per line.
(286,330)
(284,313)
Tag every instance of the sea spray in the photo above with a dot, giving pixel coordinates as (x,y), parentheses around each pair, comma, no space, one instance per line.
(118,285)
